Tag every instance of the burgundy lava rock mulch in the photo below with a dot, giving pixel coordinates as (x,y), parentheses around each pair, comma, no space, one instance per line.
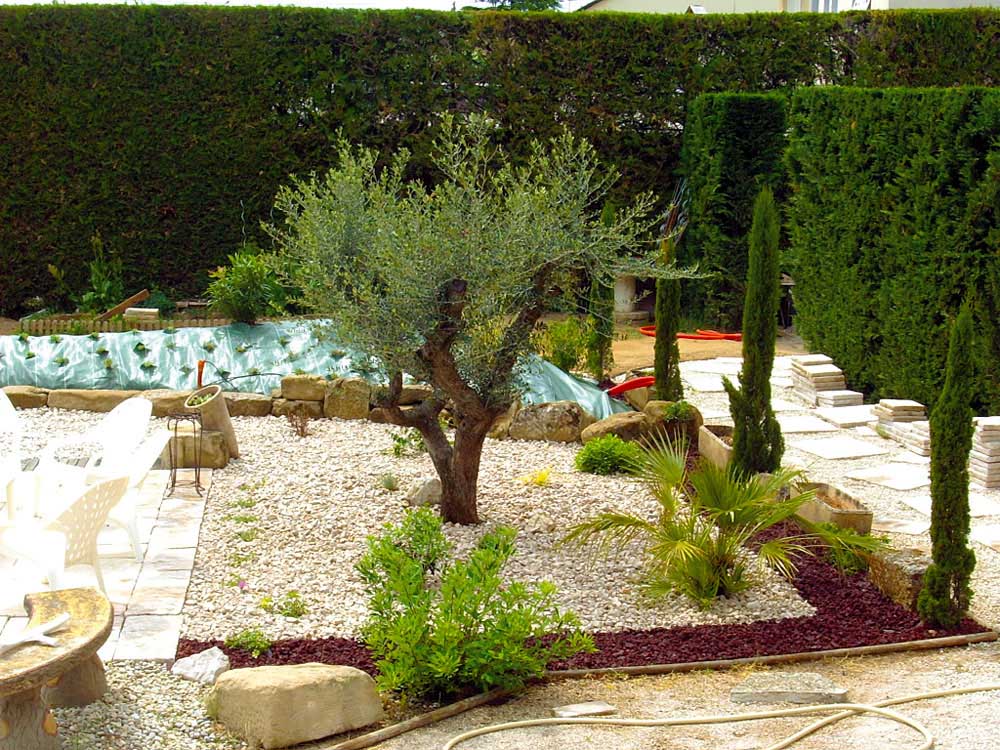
(850,612)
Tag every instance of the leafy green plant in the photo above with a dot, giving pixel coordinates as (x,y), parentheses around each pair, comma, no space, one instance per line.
(389,482)
(109,364)
(248,535)
(407,443)
(608,454)
(23,337)
(107,284)
(699,548)
(248,289)
(290,605)
(679,411)
(253,640)
(209,346)
(470,630)
(147,366)
(540,478)
(61,361)
(847,550)
(55,338)
(93,335)
(563,342)
(140,348)
(101,350)
(29,354)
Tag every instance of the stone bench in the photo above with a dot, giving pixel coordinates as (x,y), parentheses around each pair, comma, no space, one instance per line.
(34,677)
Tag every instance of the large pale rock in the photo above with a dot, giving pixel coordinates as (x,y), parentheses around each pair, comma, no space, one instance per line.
(282,407)
(501,425)
(558,421)
(247,404)
(414,394)
(426,492)
(637,398)
(204,667)
(27,396)
(347,398)
(288,705)
(303,387)
(673,429)
(630,426)
(214,451)
(86,400)
(166,401)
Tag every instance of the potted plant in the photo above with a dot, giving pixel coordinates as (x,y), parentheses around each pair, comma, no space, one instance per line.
(210,402)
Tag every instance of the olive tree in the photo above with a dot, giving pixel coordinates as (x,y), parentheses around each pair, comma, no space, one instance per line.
(446,283)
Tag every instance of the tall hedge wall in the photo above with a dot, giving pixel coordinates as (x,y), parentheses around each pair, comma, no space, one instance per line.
(894,217)
(168,129)
(733,146)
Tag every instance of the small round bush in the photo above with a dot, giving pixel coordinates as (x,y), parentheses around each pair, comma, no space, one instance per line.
(608,455)
(247,289)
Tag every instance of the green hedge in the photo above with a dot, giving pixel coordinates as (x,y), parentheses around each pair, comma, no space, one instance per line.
(168,129)
(894,218)
(733,147)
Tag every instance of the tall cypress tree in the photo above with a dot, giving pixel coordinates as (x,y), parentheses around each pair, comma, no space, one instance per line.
(757,442)
(601,312)
(667,312)
(944,599)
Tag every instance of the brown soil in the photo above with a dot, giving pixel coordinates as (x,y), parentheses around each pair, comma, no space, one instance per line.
(632,350)
(8,326)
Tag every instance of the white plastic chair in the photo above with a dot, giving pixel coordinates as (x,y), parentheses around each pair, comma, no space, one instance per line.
(10,448)
(67,538)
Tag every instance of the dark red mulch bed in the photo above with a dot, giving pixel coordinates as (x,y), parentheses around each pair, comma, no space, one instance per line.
(849,612)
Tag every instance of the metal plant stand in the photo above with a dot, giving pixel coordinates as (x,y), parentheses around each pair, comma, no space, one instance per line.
(174,424)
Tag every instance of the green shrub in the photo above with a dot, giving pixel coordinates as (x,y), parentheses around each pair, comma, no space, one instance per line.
(893,220)
(107,284)
(291,605)
(847,550)
(252,640)
(608,454)
(564,343)
(248,289)
(601,316)
(470,630)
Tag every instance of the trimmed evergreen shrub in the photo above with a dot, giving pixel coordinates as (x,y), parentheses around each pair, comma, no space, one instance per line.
(733,146)
(944,598)
(608,454)
(893,220)
(601,316)
(757,441)
(666,353)
(195,115)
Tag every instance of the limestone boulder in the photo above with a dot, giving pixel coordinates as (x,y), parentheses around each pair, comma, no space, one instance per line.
(347,398)
(414,394)
(166,401)
(86,400)
(630,426)
(425,492)
(27,396)
(659,413)
(303,387)
(637,398)
(214,451)
(558,421)
(287,705)
(282,407)
(247,404)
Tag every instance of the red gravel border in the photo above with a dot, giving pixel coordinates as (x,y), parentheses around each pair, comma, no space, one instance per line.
(850,612)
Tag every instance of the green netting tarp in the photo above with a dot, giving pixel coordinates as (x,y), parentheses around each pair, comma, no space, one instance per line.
(239,357)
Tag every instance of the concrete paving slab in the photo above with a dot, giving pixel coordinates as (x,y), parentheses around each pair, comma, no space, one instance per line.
(704,382)
(980,506)
(848,416)
(788,687)
(149,637)
(988,534)
(158,592)
(895,476)
(900,526)
(839,447)
(799,423)
(718,366)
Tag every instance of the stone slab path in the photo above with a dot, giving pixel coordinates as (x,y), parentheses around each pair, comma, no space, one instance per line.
(147,596)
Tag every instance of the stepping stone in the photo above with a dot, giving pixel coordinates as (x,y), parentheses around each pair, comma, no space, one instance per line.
(811,359)
(788,687)
(839,447)
(779,405)
(717,366)
(979,505)
(848,416)
(590,708)
(704,382)
(909,457)
(795,423)
(900,526)
(779,381)
(150,637)
(839,398)
(894,476)
(988,534)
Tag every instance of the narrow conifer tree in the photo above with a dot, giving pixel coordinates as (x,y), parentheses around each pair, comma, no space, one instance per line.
(945,597)
(757,442)
(601,313)
(667,312)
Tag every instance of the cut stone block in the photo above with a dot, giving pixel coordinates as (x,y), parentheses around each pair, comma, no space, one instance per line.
(847,416)
(303,387)
(839,447)
(214,451)
(796,423)
(27,396)
(590,708)
(347,398)
(899,574)
(247,404)
(788,687)
(806,360)
(894,476)
(86,400)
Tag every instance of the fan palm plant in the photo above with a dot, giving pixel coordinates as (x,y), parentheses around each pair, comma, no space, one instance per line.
(697,545)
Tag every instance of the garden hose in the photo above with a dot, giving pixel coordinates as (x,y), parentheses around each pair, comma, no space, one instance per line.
(842,711)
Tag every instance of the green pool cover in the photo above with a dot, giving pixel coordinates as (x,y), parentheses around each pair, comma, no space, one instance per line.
(240,357)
